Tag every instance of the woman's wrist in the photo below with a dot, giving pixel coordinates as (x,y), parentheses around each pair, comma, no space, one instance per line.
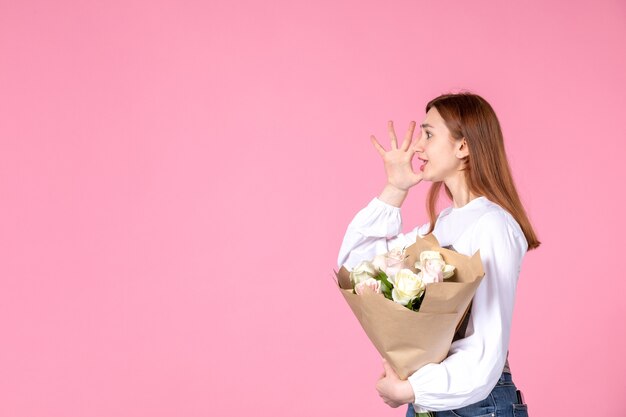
(393,195)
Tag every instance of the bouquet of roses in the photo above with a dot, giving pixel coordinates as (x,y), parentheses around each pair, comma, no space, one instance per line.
(411,317)
(389,275)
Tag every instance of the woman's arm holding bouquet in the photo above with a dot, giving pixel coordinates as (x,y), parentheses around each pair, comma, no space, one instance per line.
(475,362)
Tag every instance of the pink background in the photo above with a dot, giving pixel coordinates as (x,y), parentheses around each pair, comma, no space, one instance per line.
(176,178)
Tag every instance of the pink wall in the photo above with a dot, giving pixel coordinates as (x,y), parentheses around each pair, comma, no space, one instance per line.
(176,178)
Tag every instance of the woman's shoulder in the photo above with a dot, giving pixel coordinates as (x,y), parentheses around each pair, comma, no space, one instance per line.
(480,208)
(496,219)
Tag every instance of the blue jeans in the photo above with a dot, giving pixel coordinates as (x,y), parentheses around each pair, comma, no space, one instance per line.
(501,402)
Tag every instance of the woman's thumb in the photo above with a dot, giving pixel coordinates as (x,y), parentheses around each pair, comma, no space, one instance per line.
(387,367)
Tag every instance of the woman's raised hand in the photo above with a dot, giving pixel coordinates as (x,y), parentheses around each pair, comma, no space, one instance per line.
(398,160)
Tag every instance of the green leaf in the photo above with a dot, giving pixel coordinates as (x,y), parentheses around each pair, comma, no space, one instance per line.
(384,288)
(385,285)
(416,302)
(383,278)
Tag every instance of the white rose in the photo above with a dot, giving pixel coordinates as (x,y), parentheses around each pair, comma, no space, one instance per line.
(362,272)
(372,283)
(430,254)
(406,286)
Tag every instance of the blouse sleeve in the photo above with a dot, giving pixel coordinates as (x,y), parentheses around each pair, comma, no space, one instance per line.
(474,363)
(374,230)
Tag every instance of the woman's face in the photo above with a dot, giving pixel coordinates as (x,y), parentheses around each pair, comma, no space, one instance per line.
(443,153)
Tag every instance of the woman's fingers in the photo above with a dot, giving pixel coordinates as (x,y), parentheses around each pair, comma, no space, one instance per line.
(406,143)
(392,135)
(413,146)
(379,148)
(408,137)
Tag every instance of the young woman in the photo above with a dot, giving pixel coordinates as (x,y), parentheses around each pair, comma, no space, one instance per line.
(461,148)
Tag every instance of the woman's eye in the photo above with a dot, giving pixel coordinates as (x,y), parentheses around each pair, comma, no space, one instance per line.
(428,133)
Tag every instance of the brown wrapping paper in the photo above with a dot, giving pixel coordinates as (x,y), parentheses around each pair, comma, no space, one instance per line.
(409,339)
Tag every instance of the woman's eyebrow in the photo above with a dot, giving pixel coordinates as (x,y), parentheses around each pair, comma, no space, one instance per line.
(423,125)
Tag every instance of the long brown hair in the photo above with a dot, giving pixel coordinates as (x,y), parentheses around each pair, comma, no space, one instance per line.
(487,170)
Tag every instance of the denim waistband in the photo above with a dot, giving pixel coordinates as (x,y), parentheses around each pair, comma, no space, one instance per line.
(505,378)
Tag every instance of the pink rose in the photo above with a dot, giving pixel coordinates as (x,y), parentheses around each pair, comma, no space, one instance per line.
(380,262)
(433,267)
(397,254)
(391,262)
(433,270)
(371,283)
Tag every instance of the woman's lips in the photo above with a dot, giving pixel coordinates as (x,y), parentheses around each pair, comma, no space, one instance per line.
(423,165)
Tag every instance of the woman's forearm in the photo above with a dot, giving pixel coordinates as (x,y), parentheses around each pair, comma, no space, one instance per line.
(393,195)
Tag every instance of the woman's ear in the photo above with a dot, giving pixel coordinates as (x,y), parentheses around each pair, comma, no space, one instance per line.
(462,151)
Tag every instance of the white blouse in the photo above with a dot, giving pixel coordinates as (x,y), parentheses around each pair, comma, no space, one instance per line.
(474,363)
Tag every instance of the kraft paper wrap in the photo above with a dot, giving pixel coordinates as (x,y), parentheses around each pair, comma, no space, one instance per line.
(409,339)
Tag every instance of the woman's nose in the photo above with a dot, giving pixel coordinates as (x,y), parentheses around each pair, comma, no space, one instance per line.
(419,144)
